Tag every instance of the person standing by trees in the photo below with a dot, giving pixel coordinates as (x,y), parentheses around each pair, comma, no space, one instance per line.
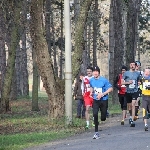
(121,93)
(86,94)
(99,89)
(79,97)
(131,79)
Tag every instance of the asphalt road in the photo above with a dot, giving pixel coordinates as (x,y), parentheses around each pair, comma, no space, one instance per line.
(113,136)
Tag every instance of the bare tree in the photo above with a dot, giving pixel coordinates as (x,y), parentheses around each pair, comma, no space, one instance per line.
(54,91)
(95,32)
(14,8)
(79,36)
(116,42)
(132,29)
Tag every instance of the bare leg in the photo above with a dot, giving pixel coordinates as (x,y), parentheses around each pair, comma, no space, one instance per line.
(87,114)
(130,108)
(124,112)
(133,109)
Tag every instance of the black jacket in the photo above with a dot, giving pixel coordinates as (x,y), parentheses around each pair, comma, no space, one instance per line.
(77,90)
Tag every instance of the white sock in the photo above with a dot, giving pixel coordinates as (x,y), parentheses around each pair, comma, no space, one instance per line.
(87,123)
(146,124)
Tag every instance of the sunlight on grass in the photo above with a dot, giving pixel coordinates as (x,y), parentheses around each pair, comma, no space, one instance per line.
(20,141)
(25,128)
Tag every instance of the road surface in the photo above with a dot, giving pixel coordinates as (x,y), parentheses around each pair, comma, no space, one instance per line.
(113,136)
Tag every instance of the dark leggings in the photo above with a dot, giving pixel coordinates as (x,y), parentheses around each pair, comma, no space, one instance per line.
(123,102)
(101,105)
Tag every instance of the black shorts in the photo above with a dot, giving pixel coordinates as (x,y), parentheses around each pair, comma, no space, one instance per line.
(131,96)
(101,105)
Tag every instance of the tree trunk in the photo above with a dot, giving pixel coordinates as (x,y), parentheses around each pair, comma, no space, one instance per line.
(79,37)
(2,46)
(117,43)
(54,48)
(95,32)
(55,91)
(13,93)
(24,77)
(111,44)
(15,7)
(35,106)
(2,49)
(61,45)
(47,24)
(18,70)
(131,35)
(89,44)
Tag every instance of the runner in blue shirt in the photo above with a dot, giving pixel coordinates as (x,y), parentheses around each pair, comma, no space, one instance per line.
(131,79)
(99,89)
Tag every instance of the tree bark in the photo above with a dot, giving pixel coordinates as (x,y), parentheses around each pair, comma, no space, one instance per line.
(111,44)
(116,43)
(18,70)
(35,106)
(47,24)
(2,46)
(24,77)
(95,32)
(54,47)
(55,91)
(79,37)
(61,45)
(15,8)
(131,35)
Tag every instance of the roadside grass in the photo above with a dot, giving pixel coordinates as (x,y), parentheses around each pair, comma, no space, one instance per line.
(22,128)
(22,141)
(114,109)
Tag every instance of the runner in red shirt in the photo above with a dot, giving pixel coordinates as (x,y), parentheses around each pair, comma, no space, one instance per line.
(121,93)
(86,94)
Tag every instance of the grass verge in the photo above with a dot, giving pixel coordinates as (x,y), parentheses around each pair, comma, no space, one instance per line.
(22,128)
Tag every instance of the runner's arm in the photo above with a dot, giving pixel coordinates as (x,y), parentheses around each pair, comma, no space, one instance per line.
(124,83)
(108,91)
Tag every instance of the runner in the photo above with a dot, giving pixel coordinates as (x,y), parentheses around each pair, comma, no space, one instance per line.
(121,93)
(146,96)
(131,79)
(86,95)
(137,105)
(100,87)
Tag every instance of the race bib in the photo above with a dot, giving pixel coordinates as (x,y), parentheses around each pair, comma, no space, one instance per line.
(146,85)
(131,86)
(98,90)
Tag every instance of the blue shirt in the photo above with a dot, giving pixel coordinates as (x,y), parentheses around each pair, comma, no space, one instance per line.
(100,85)
(135,76)
(147,78)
